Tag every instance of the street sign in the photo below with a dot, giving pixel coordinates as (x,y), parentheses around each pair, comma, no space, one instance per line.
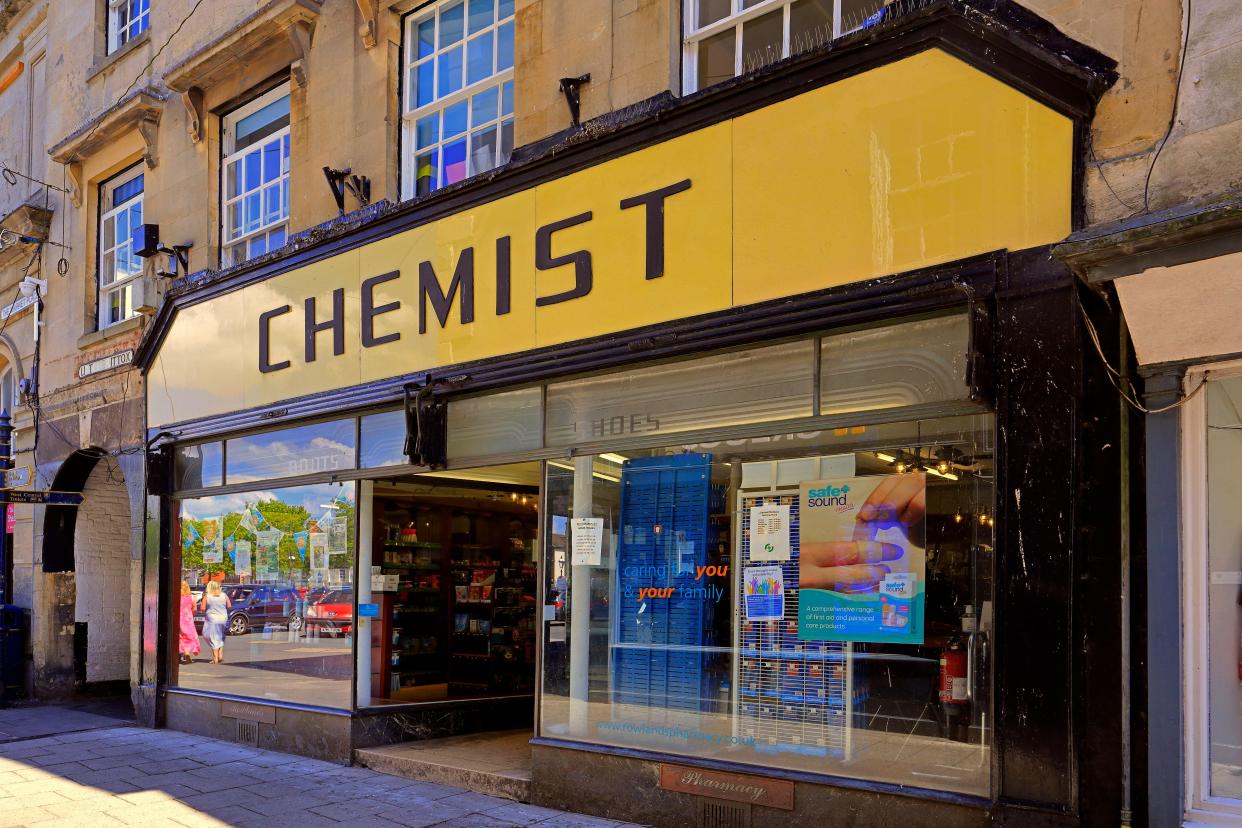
(18,477)
(50,498)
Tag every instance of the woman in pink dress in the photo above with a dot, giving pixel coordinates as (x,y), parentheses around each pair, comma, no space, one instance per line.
(189,635)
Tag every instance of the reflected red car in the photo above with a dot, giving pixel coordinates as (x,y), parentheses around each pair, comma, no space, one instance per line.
(333,614)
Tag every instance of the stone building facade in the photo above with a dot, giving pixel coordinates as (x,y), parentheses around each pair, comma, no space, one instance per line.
(95,94)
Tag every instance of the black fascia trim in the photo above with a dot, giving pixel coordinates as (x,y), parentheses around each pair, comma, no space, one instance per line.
(875,300)
(994,36)
(807,777)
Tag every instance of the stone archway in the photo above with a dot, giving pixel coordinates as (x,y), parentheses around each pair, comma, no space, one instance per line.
(101,551)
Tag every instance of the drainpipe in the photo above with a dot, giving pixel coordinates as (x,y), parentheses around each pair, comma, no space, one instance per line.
(1123,349)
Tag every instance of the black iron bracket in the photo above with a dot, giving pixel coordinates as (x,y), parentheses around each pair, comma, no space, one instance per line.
(343,181)
(571,88)
(426,422)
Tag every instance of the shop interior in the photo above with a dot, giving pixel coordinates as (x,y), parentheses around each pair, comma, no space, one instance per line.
(453,585)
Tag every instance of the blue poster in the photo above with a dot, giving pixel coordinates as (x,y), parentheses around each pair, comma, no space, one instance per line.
(862,563)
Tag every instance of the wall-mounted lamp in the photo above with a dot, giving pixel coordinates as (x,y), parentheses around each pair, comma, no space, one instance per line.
(145,240)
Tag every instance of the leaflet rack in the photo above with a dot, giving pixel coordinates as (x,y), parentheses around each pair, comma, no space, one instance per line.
(793,696)
(657,662)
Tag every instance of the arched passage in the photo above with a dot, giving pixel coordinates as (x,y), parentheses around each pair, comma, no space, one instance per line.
(91,545)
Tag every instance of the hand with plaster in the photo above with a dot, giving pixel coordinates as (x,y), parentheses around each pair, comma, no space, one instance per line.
(859,564)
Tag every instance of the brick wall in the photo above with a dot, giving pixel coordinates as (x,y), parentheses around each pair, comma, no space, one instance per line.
(102,553)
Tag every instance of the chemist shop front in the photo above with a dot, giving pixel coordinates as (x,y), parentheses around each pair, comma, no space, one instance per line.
(746,456)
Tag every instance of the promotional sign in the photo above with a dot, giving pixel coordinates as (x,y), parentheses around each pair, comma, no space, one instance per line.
(319,550)
(769,532)
(588,541)
(862,563)
(338,536)
(764,587)
(267,560)
(301,541)
(241,557)
(213,543)
(10,519)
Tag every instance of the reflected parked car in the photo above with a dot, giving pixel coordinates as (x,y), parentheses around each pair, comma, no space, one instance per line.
(332,614)
(258,605)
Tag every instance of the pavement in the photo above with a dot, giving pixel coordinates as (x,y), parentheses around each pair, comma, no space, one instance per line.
(129,775)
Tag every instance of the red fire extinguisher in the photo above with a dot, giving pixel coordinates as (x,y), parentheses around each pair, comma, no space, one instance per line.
(953,674)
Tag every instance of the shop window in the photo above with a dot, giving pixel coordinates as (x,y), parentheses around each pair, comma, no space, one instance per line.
(817,601)
(198,466)
(292,452)
(495,424)
(126,20)
(255,208)
(458,119)
(382,440)
(277,557)
(1213,603)
(120,212)
(726,38)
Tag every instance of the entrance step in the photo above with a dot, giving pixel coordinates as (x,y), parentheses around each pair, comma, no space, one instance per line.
(497,764)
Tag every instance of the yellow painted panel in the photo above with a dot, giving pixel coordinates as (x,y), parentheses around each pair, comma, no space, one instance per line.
(199,371)
(916,163)
(441,243)
(698,247)
(287,332)
(920,162)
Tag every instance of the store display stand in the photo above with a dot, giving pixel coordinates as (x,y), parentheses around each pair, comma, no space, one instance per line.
(792,696)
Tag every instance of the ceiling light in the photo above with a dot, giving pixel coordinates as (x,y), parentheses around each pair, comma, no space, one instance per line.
(614,458)
(887,458)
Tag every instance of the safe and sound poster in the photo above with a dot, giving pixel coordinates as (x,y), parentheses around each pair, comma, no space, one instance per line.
(862,565)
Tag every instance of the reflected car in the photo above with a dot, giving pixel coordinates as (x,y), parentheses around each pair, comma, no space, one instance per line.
(258,605)
(332,614)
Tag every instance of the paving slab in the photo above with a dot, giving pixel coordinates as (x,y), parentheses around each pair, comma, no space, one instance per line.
(215,785)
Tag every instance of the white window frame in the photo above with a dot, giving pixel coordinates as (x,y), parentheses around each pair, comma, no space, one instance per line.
(265,228)
(694,34)
(412,113)
(123,24)
(108,212)
(1200,807)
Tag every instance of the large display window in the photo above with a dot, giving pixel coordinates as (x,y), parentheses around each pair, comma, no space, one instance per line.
(817,601)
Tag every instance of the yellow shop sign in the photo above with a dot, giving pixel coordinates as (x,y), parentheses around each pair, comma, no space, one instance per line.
(922,161)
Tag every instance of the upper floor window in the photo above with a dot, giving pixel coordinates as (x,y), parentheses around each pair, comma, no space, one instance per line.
(120,212)
(126,20)
(255,209)
(458,108)
(726,38)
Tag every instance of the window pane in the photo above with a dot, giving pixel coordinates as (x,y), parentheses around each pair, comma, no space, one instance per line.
(383,440)
(426,91)
(483,150)
(258,245)
(427,130)
(1224,628)
(762,40)
(716,58)
(455,119)
(479,58)
(495,424)
(109,232)
(741,667)
(452,22)
(258,125)
(293,540)
(254,212)
(504,47)
(253,162)
(427,37)
(483,106)
(506,9)
(449,66)
(810,24)
(426,178)
(712,10)
(507,98)
(276,238)
(506,143)
(856,12)
(107,274)
(271,161)
(481,12)
(895,365)
(272,211)
(309,449)
(454,162)
(751,386)
(235,220)
(232,183)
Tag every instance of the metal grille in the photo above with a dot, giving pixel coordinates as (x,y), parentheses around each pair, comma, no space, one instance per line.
(716,814)
(248,733)
(794,696)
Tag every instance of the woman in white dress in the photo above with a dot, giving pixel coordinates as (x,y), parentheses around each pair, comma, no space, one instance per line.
(215,619)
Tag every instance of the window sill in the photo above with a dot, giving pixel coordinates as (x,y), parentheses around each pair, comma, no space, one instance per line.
(111,332)
(107,61)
